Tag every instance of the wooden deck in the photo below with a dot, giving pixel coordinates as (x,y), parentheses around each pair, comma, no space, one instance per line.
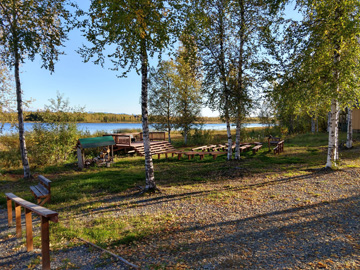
(156,147)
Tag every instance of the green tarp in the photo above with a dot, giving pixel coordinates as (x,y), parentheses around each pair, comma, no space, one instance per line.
(96,142)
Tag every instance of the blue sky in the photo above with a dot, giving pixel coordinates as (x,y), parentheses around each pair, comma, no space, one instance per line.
(85,84)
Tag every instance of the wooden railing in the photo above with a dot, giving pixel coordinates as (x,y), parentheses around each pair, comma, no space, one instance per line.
(30,208)
(154,136)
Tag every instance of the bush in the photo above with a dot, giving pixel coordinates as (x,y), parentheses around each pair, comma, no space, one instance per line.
(10,156)
(53,143)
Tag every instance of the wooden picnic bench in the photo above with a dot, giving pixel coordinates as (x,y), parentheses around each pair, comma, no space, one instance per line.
(279,147)
(245,147)
(273,141)
(217,153)
(41,191)
(256,148)
(30,208)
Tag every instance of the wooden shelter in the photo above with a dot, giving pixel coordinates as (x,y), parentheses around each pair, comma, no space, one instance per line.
(104,141)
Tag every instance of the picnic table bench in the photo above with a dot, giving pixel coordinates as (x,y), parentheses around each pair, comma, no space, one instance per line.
(41,191)
(273,141)
(279,147)
(245,147)
(256,148)
(30,208)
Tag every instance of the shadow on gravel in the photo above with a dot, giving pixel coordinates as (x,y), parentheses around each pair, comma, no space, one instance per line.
(321,235)
(163,198)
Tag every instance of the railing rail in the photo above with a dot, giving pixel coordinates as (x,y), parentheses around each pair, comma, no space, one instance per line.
(30,208)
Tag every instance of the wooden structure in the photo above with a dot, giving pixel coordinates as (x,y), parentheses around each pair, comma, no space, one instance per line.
(94,142)
(130,142)
(256,148)
(279,147)
(30,208)
(273,141)
(356,120)
(42,191)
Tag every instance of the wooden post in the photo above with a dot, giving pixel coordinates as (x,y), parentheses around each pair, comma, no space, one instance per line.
(112,153)
(80,157)
(18,220)
(45,243)
(9,210)
(29,237)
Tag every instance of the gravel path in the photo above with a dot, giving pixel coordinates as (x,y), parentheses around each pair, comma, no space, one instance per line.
(310,221)
(13,253)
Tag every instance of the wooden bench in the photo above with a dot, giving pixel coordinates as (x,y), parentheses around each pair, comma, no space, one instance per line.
(279,147)
(256,148)
(273,141)
(245,147)
(30,208)
(217,153)
(176,152)
(41,191)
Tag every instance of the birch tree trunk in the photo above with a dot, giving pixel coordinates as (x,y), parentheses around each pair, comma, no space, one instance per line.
(228,130)
(237,140)
(240,76)
(23,150)
(313,124)
(224,82)
(349,139)
(329,122)
(149,166)
(333,150)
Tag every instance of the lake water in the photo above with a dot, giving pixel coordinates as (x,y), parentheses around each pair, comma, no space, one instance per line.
(112,127)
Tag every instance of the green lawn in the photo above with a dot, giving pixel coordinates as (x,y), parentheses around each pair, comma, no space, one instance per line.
(76,194)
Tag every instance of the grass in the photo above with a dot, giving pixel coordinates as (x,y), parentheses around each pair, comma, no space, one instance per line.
(80,194)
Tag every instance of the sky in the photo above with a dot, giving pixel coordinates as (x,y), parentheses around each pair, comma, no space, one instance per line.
(84,84)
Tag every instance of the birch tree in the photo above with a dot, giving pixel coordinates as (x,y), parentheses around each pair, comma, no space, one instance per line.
(129,33)
(27,29)
(162,96)
(349,133)
(332,52)
(187,82)
(215,45)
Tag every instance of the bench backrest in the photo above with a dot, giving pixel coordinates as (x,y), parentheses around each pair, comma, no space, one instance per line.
(44,181)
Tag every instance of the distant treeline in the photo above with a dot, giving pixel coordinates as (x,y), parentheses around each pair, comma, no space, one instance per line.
(39,116)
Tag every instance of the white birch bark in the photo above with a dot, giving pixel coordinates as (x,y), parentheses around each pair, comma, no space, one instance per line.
(349,138)
(23,149)
(329,122)
(313,124)
(228,130)
(237,139)
(149,166)
(333,154)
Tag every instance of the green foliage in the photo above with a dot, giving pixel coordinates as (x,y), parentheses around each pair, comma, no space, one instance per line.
(10,157)
(37,30)
(200,137)
(162,96)
(53,143)
(188,95)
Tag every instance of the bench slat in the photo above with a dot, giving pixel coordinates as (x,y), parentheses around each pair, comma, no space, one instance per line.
(43,179)
(36,191)
(42,190)
(42,211)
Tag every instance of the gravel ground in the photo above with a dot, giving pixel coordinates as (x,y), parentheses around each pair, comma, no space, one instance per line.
(310,221)
(13,253)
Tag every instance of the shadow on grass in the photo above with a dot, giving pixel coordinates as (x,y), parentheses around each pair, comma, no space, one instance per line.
(163,198)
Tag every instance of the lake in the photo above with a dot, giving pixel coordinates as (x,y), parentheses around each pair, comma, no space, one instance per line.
(112,127)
